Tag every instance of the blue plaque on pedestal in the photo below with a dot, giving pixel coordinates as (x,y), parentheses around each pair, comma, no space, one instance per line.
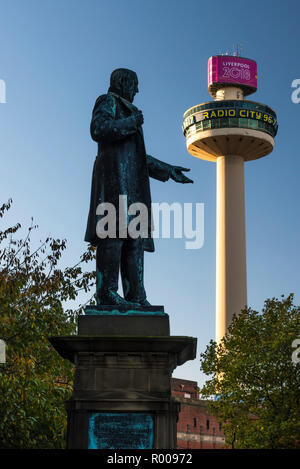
(121,430)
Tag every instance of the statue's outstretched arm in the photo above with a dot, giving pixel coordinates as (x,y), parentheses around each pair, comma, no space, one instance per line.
(158,169)
(104,125)
(163,171)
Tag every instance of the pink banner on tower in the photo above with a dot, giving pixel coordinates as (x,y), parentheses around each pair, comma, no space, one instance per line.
(234,70)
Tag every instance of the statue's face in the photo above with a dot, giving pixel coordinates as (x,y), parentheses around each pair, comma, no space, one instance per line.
(130,88)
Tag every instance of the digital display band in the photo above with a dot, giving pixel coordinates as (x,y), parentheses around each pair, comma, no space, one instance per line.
(237,112)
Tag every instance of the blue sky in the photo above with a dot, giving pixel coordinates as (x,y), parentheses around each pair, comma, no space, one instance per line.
(56,58)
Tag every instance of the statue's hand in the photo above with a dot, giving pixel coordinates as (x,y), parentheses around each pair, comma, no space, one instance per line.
(177,175)
(139,118)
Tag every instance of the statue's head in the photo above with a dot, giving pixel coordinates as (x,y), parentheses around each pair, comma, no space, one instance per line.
(124,82)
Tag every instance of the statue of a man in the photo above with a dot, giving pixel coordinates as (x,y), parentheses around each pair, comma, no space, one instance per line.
(122,168)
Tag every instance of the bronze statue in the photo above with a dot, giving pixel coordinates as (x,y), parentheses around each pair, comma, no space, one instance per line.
(122,167)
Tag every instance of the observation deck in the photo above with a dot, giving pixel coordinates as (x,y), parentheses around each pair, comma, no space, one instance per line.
(230,127)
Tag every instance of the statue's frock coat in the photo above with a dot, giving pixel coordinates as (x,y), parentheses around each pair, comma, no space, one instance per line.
(122,166)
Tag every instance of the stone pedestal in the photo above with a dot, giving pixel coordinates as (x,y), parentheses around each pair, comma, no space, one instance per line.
(122,392)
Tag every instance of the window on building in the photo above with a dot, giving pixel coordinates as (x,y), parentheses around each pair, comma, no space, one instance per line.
(207,424)
(253,124)
(206,124)
(233,121)
(195,422)
(243,122)
(187,395)
(220,426)
(215,123)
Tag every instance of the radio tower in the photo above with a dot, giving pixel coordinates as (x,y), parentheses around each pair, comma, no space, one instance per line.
(229,131)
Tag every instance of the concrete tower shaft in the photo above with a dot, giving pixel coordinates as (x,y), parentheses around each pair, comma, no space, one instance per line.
(231,284)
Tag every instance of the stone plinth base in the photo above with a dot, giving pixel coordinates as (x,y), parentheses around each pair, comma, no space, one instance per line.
(141,325)
(122,392)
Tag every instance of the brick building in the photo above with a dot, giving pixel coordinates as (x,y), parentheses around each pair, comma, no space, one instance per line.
(196,427)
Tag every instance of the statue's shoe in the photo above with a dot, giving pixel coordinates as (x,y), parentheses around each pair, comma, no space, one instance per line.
(144,302)
(113,298)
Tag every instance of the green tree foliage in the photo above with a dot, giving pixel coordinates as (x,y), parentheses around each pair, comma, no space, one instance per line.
(255,382)
(35,381)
